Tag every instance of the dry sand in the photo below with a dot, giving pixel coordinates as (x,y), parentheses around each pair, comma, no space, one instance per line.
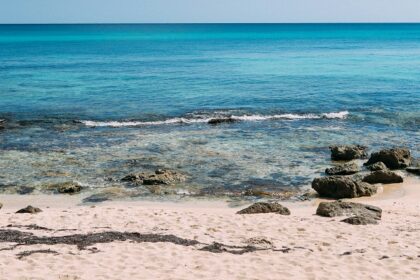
(311,247)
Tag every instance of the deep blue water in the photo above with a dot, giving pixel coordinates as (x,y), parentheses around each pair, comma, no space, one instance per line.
(145,92)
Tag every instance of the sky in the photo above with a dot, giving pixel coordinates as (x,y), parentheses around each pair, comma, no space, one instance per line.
(207,11)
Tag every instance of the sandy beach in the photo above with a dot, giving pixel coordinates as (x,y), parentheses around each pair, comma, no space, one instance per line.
(302,245)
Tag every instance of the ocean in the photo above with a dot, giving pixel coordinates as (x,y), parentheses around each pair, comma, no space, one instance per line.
(93,103)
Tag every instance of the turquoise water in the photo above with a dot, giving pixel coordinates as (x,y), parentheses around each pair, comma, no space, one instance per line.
(94,102)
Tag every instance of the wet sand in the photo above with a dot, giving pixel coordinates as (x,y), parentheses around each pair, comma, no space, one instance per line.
(302,245)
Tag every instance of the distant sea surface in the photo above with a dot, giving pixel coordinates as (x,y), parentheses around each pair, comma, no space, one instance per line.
(93,103)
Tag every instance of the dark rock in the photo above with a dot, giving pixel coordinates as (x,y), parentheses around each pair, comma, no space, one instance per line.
(349,152)
(95,198)
(217,121)
(342,187)
(29,209)
(343,169)
(342,208)
(265,207)
(384,177)
(361,220)
(159,177)
(377,166)
(2,123)
(131,178)
(413,169)
(69,187)
(397,158)
(1,205)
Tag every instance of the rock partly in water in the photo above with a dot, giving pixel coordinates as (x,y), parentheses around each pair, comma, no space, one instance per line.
(29,210)
(413,170)
(265,207)
(377,166)
(216,121)
(343,169)
(68,187)
(342,187)
(396,158)
(159,177)
(257,192)
(343,208)
(361,220)
(348,152)
(383,177)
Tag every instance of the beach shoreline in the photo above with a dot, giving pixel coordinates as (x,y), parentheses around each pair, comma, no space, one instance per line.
(302,245)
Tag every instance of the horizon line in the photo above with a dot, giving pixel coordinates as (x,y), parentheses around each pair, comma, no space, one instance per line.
(199,23)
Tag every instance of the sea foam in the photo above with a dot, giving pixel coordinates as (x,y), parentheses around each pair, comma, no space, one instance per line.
(198,119)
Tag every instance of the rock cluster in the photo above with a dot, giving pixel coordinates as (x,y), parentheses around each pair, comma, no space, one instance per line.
(340,186)
(265,207)
(159,177)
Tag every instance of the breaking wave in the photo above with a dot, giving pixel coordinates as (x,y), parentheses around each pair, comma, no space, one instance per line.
(217,119)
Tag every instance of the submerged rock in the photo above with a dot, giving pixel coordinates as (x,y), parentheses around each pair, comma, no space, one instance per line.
(377,166)
(29,210)
(159,177)
(342,187)
(342,208)
(396,158)
(343,169)
(216,121)
(265,207)
(383,177)
(361,220)
(348,152)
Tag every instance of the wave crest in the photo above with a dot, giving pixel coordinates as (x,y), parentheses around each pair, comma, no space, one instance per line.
(198,119)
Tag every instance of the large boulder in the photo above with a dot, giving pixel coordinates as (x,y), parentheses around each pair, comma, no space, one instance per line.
(159,177)
(265,207)
(342,187)
(343,169)
(29,210)
(396,158)
(348,152)
(343,208)
(383,177)
(377,166)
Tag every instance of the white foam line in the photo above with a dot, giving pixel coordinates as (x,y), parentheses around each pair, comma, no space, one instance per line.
(332,115)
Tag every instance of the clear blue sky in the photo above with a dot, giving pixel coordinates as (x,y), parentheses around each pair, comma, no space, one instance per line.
(168,11)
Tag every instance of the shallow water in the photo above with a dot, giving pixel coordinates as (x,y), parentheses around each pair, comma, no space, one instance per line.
(93,103)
